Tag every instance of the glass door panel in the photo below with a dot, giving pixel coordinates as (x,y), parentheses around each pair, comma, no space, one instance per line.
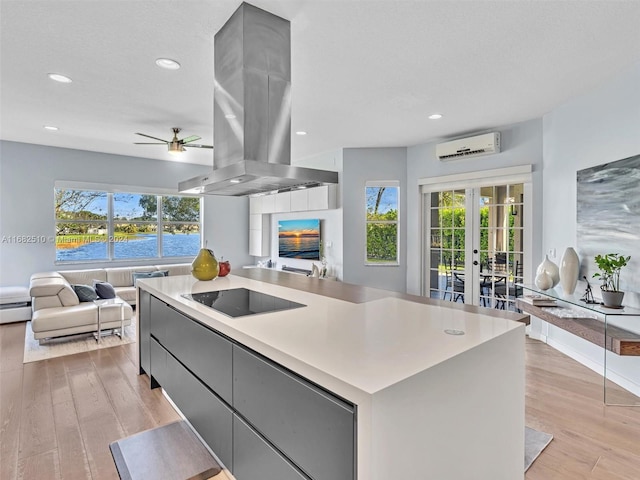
(500,217)
(476,245)
(447,212)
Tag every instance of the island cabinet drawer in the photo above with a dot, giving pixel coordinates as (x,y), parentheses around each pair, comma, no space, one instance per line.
(255,459)
(314,429)
(158,363)
(207,354)
(211,418)
(144,315)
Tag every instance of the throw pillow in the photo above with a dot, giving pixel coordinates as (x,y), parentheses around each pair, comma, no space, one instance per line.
(86,293)
(104,289)
(137,275)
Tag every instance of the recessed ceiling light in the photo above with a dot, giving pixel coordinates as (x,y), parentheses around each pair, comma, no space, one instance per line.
(50,127)
(59,78)
(229,115)
(435,116)
(235,180)
(301,132)
(167,63)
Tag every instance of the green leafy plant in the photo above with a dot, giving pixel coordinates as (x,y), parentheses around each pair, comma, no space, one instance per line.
(610,266)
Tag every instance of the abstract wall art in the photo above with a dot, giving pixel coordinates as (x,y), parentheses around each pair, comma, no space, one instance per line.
(608,217)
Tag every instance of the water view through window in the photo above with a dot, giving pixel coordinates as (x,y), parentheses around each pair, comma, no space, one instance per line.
(94,225)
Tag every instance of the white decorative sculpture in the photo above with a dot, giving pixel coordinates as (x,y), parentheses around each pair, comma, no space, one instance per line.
(551,269)
(569,270)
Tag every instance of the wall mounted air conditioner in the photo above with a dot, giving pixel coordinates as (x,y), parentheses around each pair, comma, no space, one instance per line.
(485,144)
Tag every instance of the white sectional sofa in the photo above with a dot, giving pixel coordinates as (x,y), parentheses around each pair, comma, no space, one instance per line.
(57,310)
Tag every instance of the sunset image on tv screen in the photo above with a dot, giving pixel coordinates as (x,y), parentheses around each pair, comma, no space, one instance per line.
(299,239)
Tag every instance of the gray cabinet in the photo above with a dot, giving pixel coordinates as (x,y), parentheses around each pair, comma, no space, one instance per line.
(312,427)
(262,421)
(158,366)
(210,417)
(255,459)
(207,354)
(143,308)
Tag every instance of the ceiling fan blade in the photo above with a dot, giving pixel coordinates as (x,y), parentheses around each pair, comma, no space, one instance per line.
(149,143)
(195,145)
(192,138)
(149,136)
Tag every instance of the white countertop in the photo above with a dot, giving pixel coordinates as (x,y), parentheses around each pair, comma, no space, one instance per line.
(351,349)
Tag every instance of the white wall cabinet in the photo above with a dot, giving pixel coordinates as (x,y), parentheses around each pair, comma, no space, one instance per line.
(324,197)
(259,235)
(300,200)
(283,202)
(269,203)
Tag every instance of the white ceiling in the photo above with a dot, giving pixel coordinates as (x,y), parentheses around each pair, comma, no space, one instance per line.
(365,73)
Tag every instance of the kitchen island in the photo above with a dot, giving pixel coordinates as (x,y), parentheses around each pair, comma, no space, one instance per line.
(358,383)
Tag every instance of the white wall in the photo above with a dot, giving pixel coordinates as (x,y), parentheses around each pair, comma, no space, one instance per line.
(521,145)
(330,232)
(27,176)
(331,221)
(601,127)
(359,166)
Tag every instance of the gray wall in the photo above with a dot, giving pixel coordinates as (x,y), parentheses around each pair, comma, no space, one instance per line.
(601,127)
(27,176)
(521,145)
(359,166)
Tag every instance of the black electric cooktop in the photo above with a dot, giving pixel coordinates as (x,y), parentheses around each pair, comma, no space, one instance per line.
(239,302)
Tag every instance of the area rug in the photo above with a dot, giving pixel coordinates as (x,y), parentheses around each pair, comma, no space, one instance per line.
(534,443)
(85,342)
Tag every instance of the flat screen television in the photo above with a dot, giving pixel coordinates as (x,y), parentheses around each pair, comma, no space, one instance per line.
(299,239)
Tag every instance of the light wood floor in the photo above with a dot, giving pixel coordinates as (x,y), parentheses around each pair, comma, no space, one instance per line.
(57,417)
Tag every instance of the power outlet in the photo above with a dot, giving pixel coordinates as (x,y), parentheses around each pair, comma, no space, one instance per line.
(552,253)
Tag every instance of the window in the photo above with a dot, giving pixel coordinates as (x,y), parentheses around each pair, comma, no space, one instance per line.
(99,225)
(382,223)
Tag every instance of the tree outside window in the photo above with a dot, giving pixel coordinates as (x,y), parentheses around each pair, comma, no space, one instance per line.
(98,225)
(382,223)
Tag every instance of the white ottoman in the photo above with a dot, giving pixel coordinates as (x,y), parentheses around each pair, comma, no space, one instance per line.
(15,304)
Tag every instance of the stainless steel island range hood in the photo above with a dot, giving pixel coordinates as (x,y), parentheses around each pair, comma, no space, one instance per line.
(252,111)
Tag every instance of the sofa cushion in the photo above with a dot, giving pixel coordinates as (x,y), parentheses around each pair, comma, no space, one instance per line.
(177,269)
(53,286)
(122,276)
(86,293)
(104,289)
(128,294)
(84,277)
(58,318)
(157,273)
(9,295)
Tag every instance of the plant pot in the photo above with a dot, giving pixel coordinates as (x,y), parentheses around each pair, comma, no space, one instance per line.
(612,299)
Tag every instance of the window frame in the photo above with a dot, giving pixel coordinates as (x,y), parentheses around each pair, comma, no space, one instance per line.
(379,184)
(111,221)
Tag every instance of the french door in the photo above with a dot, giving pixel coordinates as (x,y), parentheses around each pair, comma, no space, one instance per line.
(476,241)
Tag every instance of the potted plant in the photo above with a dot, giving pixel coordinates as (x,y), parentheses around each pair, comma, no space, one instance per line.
(610,266)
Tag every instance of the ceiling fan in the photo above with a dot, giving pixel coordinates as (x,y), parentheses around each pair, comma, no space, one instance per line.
(175,145)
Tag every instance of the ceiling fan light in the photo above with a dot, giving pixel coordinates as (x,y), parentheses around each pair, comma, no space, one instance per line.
(175,148)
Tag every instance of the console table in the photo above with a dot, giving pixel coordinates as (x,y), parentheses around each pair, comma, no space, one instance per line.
(616,331)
